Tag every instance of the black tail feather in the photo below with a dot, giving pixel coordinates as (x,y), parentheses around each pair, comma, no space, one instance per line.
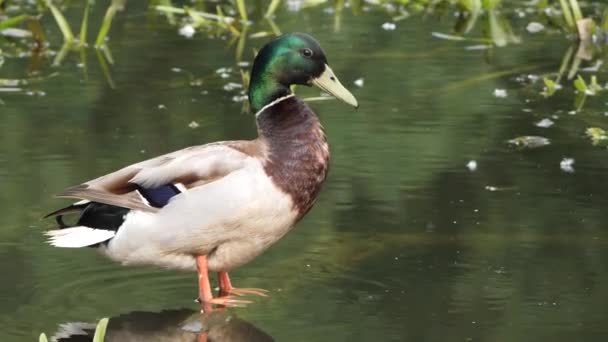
(102,216)
(74,208)
(92,214)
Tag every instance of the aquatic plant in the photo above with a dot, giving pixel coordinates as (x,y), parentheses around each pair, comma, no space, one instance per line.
(100,332)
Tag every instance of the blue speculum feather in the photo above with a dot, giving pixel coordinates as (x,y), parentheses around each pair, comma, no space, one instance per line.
(159,197)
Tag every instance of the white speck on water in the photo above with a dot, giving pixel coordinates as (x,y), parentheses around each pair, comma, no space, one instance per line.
(567,165)
(527,110)
(535,27)
(520,13)
(197,82)
(533,77)
(239,98)
(390,7)
(176,69)
(10,89)
(294,5)
(491,188)
(500,93)
(545,123)
(445,36)
(500,270)
(329,10)
(572,112)
(224,72)
(232,85)
(472,165)
(551,12)
(307,265)
(35,93)
(193,124)
(162,106)
(359,82)
(204,92)
(187,31)
(243,64)
(529,141)
(389,26)
(477,47)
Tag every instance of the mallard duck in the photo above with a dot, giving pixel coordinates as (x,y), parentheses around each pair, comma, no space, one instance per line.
(216,207)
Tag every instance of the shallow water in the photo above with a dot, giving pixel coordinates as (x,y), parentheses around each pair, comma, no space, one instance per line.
(405,243)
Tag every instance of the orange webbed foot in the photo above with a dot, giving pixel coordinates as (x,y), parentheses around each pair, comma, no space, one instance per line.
(226,288)
(247,291)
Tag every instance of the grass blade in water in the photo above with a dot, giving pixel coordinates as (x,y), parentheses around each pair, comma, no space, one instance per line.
(12,21)
(242,10)
(107,21)
(84,26)
(100,331)
(65,48)
(567,14)
(576,10)
(274,4)
(105,69)
(497,33)
(68,36)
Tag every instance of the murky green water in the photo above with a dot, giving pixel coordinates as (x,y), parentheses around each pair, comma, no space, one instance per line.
(405,242)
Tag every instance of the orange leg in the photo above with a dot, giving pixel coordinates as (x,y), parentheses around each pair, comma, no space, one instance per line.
(227,289)
(204,289)
(202,337)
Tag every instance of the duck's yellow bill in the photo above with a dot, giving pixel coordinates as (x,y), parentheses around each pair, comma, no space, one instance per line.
(329,83)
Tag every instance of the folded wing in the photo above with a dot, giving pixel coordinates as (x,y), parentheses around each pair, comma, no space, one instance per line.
(187,168)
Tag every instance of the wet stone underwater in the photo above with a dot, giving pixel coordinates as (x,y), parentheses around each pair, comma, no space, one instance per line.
(430,227)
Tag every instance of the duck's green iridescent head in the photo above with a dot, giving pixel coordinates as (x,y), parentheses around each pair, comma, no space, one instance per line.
(294,58)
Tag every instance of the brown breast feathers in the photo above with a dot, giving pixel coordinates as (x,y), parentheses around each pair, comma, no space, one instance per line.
(298,153)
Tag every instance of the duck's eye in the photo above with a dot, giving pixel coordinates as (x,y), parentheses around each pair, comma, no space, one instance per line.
(306,52)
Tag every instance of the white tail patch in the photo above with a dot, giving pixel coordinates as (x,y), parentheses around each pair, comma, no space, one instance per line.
(77,237)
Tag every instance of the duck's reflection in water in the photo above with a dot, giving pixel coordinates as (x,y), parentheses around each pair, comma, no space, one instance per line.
(170,325)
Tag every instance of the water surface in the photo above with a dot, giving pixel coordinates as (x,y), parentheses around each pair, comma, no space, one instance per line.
(405,243)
